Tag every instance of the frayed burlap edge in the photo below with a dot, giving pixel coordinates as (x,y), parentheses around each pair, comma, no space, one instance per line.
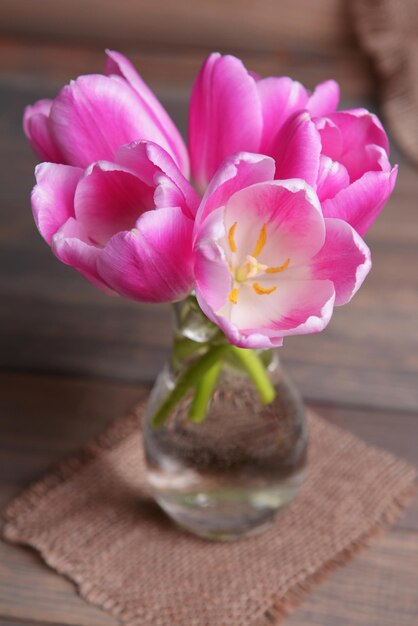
(286,604)
(20,507)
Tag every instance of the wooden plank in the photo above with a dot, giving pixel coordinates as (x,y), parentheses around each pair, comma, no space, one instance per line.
(12,622)
(7,621)
(379,588)
(43,419)
(265,25)
(45,63)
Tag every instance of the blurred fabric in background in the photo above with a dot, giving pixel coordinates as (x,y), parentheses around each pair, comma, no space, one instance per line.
(388,30)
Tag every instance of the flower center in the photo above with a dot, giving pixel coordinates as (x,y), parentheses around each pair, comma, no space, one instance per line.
(251,268)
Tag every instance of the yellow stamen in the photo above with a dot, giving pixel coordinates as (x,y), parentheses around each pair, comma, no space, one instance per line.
(233,295)
(280,268)
(261,241)
(231,239)
(262,291)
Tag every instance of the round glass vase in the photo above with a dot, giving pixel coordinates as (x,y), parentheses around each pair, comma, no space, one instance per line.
(229,474)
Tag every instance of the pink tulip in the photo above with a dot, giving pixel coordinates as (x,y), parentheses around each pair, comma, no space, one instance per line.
(267,262)
(94,115)
(233,110)
(343,155)
(125,225)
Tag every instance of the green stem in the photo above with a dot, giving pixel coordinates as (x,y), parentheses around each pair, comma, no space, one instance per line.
(203,392)
(188,379)
(252,363)
(184,348)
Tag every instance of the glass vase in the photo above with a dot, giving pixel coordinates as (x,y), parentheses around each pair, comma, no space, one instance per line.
(230,472)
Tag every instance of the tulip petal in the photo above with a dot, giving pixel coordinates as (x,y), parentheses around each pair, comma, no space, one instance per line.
(344,259)
(296,308)
(225,115)
(53,196)
(291,213)
(332,177)
(211,269)
(109,200)
(40,107)
(358,129)
(95,115)
(324,99)
(251,340)
(331,138)
(279,97)
(156,167)
(152,262)
(360,126)
(70,244)
(297,149)
(375,159)
(236,172)
(361,202)
(117,64)
(301,307)
(37,130)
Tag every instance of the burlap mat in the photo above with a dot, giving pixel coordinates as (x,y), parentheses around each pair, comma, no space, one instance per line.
(388,31)
(92,520)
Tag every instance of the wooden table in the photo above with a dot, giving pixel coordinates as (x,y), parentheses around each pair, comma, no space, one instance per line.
(73,359)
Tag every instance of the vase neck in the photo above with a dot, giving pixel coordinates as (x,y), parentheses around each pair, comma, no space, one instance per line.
(194,333)
(190,322)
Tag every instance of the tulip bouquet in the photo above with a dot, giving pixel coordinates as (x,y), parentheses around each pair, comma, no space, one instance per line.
(260,219)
